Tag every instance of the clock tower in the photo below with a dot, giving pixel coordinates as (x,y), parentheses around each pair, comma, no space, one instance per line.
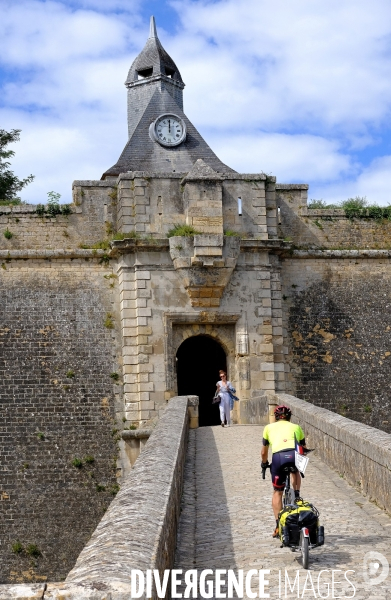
(155,90)
(152,69)
(197,269)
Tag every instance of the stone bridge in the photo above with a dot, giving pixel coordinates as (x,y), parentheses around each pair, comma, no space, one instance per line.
(195,500)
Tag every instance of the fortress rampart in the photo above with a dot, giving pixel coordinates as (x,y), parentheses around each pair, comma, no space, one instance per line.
(168,269)
(147,507)
(89,336)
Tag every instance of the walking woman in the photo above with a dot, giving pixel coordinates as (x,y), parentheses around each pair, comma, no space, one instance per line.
(223,389)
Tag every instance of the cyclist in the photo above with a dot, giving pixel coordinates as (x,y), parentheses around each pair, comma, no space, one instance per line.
(282,436)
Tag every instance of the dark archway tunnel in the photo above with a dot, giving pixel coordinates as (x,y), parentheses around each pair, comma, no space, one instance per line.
(198,362)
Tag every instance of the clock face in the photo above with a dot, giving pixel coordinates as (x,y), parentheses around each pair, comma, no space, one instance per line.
(168,130)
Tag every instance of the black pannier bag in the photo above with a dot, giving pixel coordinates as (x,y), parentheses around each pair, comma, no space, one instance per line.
(293,518)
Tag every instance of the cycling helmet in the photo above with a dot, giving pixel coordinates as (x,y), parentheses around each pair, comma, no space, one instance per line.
(282,412)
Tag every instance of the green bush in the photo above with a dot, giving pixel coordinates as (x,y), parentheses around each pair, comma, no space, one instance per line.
(358,202)
(108,322)
(33,550)
(66,209)
(7,234)
(53,206)
(133,235)
(77,462)
(232,233)
(321,204)
(114,489)
(40,210)
(17,548)
(355,208)
(14,202)
(182,230)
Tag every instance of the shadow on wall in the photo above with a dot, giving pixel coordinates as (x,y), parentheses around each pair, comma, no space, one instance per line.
(340,344)
(293,226)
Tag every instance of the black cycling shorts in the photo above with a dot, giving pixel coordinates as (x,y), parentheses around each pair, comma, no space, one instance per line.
(280,460)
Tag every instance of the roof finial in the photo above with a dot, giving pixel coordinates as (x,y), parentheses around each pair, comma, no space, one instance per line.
(152,28)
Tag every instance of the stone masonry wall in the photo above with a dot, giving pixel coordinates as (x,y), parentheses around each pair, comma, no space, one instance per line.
(326,228)
(337,323)
(139,530)
(93,215)
(153,203)
(359,453)
(57,403)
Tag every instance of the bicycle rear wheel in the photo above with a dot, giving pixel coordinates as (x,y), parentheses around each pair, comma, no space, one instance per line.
(287,496)
(304,547)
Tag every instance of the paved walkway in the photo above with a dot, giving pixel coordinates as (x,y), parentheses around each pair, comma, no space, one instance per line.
(227,521)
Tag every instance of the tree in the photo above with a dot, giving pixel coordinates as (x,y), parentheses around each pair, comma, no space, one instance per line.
(10,184)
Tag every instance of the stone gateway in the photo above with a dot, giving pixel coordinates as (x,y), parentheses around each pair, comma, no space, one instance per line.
(170,267)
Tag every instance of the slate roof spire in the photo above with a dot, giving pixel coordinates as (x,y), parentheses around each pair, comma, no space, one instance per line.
(155,87)
(152,28)
(153,61)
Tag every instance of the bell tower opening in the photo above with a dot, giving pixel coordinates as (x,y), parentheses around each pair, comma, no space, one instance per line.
(198,362)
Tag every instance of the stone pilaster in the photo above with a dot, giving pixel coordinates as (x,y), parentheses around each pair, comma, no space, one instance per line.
(135,297)
(133,204)
(258,209)
(271,208)
(265,350)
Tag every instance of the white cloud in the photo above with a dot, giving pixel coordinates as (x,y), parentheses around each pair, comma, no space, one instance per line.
(373,182)
(288,88)
(46,35)
(68,95)
(307,64)
(57,153)
(303,158)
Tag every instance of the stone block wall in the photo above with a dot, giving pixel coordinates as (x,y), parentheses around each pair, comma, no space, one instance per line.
(58,403)
(139,530)
(326,228)
(92,216)
(337,323)
(257,196)
(153,203)
(359,453)
(141,286)
(146,510)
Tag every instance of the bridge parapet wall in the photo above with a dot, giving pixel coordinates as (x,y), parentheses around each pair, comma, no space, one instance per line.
(139,529)
(359,453)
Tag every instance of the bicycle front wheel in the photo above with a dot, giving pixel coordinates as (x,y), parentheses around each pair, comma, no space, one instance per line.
(304,546)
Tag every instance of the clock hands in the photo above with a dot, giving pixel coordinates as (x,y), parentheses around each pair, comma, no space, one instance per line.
(169,130)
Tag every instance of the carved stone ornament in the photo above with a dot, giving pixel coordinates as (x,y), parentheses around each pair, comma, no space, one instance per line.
(206,263)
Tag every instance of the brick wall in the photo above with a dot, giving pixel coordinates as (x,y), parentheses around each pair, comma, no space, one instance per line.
(57,403)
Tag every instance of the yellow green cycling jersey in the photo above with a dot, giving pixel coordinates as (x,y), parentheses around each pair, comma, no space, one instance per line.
(281,435)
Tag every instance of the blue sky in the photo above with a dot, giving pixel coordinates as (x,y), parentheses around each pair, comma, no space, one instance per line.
(301,90)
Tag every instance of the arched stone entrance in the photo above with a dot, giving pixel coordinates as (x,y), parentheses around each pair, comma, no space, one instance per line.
(199,359)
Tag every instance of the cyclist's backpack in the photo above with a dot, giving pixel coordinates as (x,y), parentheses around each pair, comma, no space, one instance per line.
(296,516)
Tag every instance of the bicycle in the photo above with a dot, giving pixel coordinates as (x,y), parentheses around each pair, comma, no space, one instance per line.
(299,527)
